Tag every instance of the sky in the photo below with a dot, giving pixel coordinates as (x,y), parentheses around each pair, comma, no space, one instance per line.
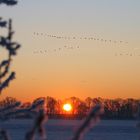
(92,68)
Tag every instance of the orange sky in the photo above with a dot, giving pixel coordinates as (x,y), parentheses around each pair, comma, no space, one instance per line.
(93,69)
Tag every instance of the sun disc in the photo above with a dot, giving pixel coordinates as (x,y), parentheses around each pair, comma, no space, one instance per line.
(67,107)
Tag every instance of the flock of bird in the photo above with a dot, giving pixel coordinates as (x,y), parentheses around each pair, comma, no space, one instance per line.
(78,38)
(55,50)
(77,47)
(127,54)
(71,48)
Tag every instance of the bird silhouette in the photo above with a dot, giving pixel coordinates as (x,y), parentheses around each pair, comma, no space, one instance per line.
(74,38)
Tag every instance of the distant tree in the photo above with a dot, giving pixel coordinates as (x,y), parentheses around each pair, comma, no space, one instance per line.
(8,101)
(75,102)
(58,107)
(89,102)
(82,109)
(51,105)
(8,107)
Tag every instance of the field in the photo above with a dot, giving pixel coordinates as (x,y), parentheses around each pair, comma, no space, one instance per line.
(64,129)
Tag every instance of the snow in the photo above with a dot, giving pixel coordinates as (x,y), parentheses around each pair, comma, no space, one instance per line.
(65,129)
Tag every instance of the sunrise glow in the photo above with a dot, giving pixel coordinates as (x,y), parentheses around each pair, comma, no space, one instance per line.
(67,107)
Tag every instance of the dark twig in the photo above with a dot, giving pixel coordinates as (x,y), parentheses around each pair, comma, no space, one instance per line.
(94,115)
(4,135)
(8,2)
(11,47)
(138,125)
(38,127)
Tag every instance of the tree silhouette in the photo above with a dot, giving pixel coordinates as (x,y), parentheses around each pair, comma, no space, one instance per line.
(51,105)
(11,47)
(6,76)
(8,2)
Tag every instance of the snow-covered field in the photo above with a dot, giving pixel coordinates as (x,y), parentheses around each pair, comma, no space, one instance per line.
(64,129)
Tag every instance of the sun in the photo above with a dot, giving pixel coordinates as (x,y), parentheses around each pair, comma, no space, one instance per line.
(67,107)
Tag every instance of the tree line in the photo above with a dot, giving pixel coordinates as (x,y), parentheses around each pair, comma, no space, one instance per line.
(113,108)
